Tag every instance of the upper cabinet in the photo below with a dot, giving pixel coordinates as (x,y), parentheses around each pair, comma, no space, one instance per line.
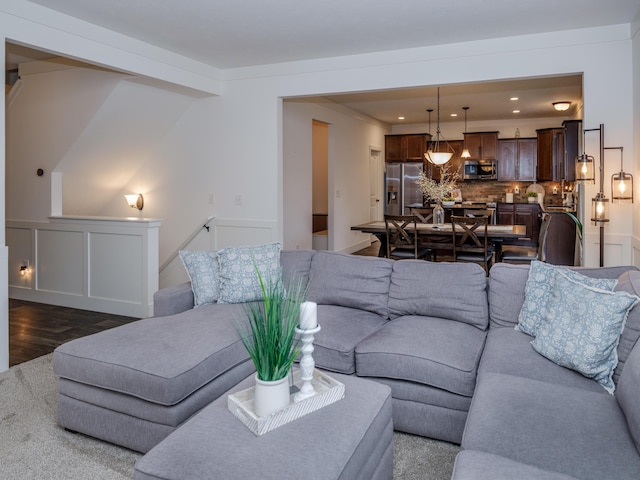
(482,145)
(550,154)
(517,159)
(405,148)
(557,151)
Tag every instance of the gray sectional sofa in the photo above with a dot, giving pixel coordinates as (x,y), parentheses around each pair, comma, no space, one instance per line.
(440,335)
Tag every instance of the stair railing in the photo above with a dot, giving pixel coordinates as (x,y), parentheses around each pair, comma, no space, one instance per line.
(185,243)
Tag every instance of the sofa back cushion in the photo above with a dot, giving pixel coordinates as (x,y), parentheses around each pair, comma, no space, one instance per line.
(455,291)
(296,265)
(628,282)
(507,286)
(350,281)
(628,393)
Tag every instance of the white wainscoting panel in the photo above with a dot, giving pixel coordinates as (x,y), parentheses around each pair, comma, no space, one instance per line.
(59,261)
(103,264)
(617,249)
(229,233)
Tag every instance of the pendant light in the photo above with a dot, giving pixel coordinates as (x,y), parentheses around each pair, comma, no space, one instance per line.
(434,155)
(465,150)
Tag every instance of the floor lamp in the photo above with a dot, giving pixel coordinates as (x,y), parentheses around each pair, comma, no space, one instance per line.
(585,173)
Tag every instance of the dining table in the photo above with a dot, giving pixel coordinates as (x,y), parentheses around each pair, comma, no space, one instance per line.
(497,234)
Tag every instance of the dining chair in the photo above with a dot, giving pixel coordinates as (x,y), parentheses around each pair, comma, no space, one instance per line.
(437,244)
(423,214)
(468,245)
(541,250)
(480,212)
(402,238)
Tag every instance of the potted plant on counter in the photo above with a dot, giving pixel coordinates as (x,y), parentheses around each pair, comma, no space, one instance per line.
(532,197)
(270,338)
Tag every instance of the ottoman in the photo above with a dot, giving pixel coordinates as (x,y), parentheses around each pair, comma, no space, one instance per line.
(349,439)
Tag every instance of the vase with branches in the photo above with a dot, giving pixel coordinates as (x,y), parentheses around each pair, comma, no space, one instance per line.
(438,190)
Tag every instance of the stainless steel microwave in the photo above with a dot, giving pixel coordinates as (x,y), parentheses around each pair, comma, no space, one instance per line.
(480,170)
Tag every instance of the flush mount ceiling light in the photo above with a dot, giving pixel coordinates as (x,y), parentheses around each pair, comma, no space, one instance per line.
(465,150)
(434,155)
(135,201)
(561,106)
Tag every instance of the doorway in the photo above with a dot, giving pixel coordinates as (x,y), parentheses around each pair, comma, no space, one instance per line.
(375,184)
(320,184)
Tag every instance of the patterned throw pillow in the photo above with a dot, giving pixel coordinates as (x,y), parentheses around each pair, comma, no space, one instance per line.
(539,288)
(202,269)
(583,328)
(238,277)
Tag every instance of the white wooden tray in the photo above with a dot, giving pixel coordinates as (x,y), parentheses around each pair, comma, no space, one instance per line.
(327,389)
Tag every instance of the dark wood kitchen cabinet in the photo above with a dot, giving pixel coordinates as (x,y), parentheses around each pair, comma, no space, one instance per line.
(482,145)
(527,214)
(517,159)
(557,151)
(405,148)
(551,157)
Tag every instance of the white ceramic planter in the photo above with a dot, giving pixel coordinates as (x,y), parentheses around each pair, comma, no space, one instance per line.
(270,397)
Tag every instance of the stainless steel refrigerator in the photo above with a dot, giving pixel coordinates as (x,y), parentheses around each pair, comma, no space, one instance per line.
(401,189)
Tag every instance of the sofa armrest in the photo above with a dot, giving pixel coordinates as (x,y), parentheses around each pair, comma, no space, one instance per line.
(172,300)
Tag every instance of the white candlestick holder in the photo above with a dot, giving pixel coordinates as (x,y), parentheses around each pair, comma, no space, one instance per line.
(307,364)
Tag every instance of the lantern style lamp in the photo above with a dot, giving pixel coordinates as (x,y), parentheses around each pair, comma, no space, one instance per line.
(585,169)
(621,183)
(600,210)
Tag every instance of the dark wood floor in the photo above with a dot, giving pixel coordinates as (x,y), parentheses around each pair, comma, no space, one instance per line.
(36,329)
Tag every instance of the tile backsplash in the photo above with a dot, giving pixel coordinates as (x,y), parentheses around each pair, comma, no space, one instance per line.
(494,191)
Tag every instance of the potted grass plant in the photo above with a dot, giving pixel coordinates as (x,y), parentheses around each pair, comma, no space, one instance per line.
(269,335)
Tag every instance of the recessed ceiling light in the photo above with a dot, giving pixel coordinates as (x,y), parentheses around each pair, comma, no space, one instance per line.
(454,114)
(400,118)
(514,99)
(516,111)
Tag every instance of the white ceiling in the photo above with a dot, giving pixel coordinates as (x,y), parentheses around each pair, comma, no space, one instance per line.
(239,33)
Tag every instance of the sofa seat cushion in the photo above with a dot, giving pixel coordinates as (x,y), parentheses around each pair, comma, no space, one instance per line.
(427,350)
(457,291)
(509,351)
(474,465)
(552,427)
(341,329)
(350,281)
(162,359)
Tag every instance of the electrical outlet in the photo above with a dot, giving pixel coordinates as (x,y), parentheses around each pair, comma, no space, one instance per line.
(211,199)
(238,200)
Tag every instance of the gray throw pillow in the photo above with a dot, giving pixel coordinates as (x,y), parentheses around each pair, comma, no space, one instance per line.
(202,269)
(539,288)
(239,281)
(582,328)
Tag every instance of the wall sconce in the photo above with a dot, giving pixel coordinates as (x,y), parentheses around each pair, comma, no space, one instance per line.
(562,106)
(24,268)
(135,201)
(621,183)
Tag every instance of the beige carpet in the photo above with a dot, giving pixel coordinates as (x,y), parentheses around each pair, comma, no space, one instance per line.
(32,446)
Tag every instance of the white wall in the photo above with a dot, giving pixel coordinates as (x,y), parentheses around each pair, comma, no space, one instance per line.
(349,140)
